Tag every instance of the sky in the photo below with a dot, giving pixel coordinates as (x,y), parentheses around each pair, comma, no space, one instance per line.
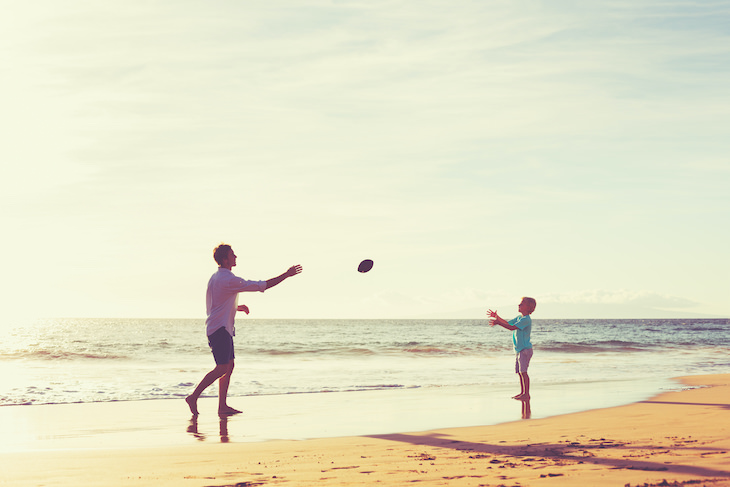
(477,151)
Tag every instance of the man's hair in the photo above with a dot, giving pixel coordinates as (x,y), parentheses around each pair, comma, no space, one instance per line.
(531,304)
(221,253)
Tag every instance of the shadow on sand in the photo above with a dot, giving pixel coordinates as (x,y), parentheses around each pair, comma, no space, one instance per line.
(586,451)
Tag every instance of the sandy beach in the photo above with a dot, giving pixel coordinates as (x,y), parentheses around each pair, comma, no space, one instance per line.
(676,438)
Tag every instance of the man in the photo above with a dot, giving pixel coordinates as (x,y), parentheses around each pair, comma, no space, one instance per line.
(221,304)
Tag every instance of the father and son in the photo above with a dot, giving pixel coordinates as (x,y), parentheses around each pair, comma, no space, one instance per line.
(222,305)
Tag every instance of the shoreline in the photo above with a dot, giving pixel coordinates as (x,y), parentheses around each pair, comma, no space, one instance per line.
(680,436)
(168,422)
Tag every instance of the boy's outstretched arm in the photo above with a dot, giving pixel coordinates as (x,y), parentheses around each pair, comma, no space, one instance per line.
(497,320)
(292,271)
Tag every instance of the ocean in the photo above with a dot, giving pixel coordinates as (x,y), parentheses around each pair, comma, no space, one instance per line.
(61,361)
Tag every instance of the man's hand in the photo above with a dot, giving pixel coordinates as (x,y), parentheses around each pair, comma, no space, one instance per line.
(242,307)
(293,270)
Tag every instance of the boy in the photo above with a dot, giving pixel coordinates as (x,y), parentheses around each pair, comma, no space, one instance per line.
(221,304)
(521,327)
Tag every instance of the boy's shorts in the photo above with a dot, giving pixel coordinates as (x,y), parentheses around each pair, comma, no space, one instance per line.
(221,344)
(522,360)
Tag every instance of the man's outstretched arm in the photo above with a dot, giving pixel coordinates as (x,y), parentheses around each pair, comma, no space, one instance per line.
(292,271)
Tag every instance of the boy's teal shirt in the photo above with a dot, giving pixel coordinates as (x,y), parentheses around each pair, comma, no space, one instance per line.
(521,336)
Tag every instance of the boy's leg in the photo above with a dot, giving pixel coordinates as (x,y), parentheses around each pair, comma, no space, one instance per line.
(517,371)
(525,385)
(522,362)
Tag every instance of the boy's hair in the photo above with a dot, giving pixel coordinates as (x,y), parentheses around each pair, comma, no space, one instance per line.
(531,304)
(221,253)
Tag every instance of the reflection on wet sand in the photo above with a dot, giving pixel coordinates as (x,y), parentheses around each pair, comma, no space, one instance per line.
(194,430)
(526,409)
(194,427)
(224,429)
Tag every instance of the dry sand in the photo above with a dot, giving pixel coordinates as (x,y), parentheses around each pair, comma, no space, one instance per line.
(676,438)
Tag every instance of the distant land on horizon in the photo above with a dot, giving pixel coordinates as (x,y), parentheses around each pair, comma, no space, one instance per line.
(578,311)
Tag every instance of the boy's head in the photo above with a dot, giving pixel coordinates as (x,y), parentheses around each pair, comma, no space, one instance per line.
(527,306)
(220,254)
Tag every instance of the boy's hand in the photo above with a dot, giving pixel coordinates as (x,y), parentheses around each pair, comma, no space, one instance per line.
(493,316)
(242,307)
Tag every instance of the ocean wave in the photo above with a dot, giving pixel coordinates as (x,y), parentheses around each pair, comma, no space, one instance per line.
(431,350)
(701,328)
(409,349)
(378,387)
(58,355)
(334,351)
(594,347)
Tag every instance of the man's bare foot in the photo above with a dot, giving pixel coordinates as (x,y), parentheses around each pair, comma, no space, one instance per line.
(192,404)
(521,397)
(227,411)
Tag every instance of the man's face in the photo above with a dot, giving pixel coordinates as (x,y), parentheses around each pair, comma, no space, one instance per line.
(230,259)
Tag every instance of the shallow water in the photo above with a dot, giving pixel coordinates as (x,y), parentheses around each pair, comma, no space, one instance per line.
(99,360)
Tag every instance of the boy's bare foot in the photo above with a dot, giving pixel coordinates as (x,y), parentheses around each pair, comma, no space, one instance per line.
(192,404)
(227,411)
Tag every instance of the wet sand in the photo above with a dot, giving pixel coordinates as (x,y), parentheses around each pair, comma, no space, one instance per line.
(676,438)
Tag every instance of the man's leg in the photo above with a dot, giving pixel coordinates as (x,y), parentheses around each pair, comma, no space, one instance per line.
(210,377)
(223,382)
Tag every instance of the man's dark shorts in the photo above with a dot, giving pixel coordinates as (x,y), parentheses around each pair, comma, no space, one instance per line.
(221,344)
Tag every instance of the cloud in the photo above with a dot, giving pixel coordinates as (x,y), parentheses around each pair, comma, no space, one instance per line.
(426,135)
(620,297)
